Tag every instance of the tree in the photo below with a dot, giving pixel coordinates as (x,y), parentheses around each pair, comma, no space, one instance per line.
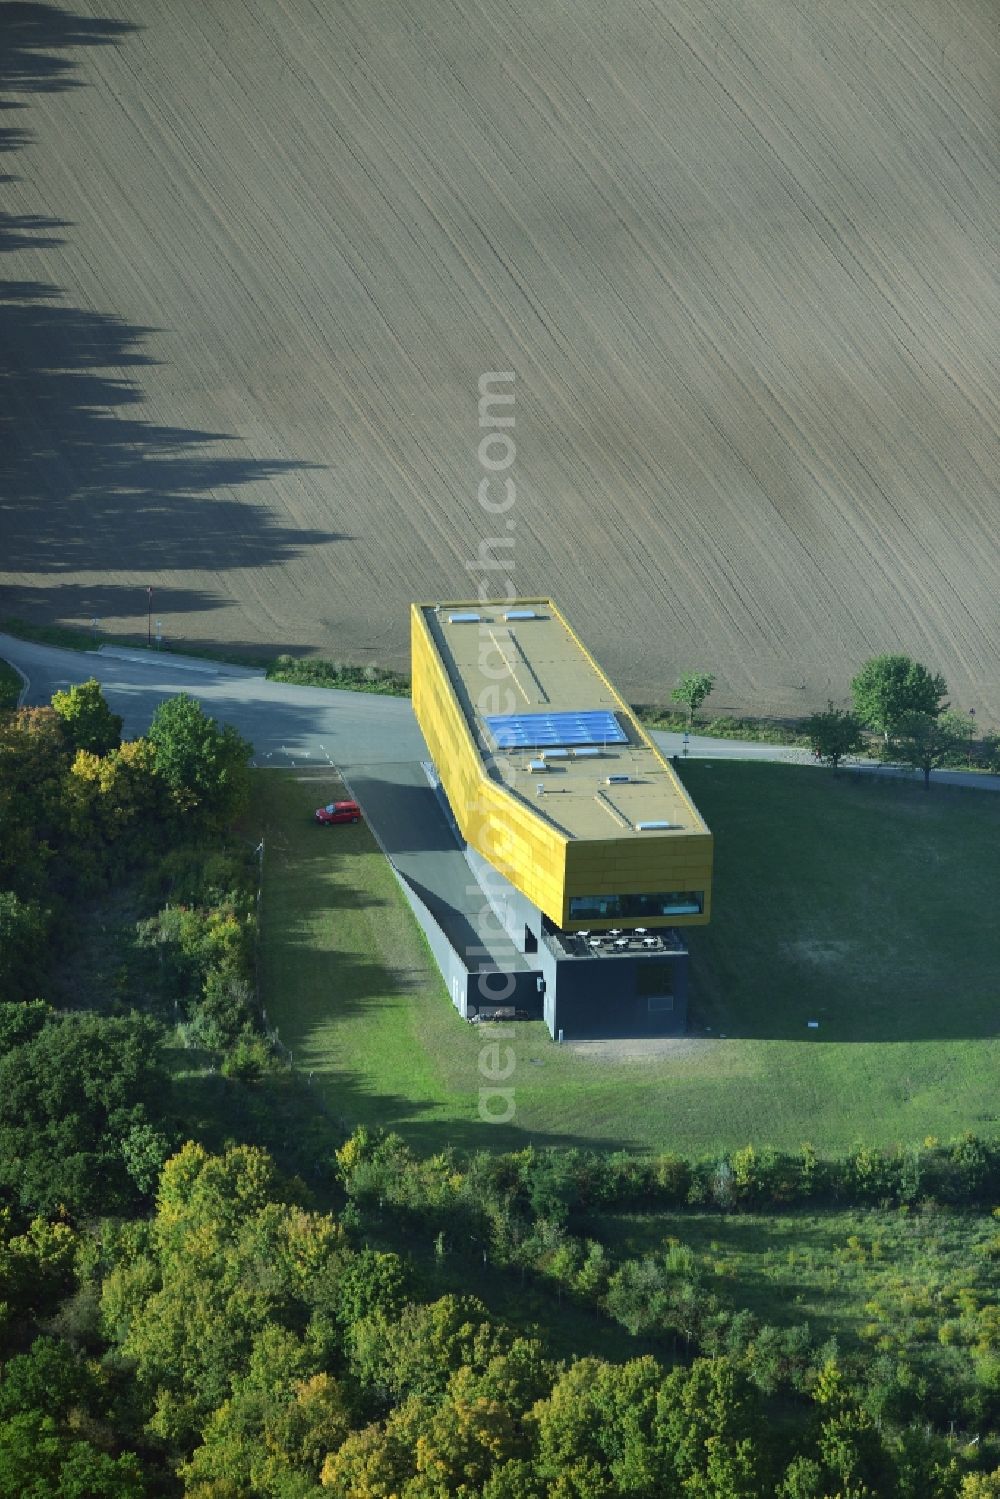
(48,1379)
(368,1282)
(22,946)
(279,1423)
(692,689)
(638,1296)
(708,1419)
(989,753)
(981,1485)
(416,1353)
(36,1273)
(834,734)
(887,688)
(926,741)
(89,722)
(228,1256)
(205,764)
(117,793)
(600,1420)
(33,760)
(36,1460)
(70,1097)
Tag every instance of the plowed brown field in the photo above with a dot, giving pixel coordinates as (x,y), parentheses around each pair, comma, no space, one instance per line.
(740,253)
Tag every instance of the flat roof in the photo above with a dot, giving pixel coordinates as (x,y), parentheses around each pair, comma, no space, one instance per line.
(518,662)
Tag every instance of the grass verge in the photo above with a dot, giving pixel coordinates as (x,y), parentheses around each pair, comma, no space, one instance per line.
(10,685)
(759,730)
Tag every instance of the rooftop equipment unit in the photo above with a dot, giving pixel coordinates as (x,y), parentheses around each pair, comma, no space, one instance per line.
(537,765)
(555,754)
(466,618)
(618,780)
(654,826)
(520,614)
(587,752)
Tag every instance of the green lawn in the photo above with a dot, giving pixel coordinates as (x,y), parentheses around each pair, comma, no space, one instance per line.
(862,904)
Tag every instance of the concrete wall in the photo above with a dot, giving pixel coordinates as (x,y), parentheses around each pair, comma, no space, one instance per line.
(470,988)
(453,967)
(518,989)
(587,996)
(513,911)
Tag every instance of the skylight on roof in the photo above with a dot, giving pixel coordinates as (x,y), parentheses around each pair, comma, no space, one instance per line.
(534,730)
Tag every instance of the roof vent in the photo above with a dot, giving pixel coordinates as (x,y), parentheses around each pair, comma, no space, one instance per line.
(617,780)
(654,826)
(465,618)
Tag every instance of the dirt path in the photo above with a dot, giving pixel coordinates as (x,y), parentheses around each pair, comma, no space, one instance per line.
(741,257)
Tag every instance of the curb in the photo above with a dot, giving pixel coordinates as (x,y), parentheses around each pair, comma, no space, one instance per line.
(24,678)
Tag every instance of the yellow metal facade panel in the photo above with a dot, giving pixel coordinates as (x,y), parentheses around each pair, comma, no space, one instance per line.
(520,840)
(524,848)
(621,867)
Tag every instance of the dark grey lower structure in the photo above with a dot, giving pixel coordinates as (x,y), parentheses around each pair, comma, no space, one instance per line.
(627,984)
(628,990)
(494,949)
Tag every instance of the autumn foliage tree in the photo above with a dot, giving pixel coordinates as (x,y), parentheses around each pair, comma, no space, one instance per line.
(89,722)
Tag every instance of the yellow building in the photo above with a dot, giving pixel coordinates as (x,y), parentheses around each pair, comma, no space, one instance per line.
(549,776)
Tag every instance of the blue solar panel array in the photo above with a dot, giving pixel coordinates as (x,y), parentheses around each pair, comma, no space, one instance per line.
(536,730)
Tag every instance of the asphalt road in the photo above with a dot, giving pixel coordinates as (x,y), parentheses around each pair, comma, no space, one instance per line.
(291,726)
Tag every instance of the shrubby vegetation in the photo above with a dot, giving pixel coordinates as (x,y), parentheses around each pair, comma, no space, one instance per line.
(726,726)
(312,671)
(84,816)
(309,671)
(178,1321)
(242,1342)
(541,1213)
(552,1183)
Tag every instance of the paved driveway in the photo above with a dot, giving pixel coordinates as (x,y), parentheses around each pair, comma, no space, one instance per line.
(314,725)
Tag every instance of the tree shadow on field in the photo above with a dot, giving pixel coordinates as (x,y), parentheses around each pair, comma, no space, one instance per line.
(101,601)
(87,483)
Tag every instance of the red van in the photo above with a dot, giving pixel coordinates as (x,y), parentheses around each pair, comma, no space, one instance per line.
(338,812)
